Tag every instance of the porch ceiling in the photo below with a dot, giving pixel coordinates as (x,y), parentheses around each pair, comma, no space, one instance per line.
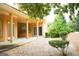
(34,25)
(4,8)
(21,20)
(3,12)
(35,21)
(32,22)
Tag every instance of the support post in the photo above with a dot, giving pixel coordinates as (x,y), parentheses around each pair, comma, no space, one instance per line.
(11,28)
(27,29)
(37,29)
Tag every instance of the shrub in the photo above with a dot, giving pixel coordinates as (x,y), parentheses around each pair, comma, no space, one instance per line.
(59,44)
(46,35)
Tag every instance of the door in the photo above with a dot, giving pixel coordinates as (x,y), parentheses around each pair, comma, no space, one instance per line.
(21,30)
(40,31)
(35,31)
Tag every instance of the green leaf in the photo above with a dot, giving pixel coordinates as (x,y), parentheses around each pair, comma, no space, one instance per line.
(36,10)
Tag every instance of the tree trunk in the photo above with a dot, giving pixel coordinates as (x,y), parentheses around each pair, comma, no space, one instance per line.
(63,54)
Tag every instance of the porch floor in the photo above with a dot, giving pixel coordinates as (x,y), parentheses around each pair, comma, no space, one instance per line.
(19,40)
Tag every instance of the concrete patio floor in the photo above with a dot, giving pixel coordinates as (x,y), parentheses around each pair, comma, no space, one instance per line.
(7,45)
(38,47)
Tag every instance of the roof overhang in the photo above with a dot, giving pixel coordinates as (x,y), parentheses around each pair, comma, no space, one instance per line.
(8,9)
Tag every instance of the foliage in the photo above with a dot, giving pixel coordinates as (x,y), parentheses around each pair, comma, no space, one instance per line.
(36,10)
(70,7)
(59,44)
(77,22)
(39,10)
(59,27)
(57,11)
(72,25)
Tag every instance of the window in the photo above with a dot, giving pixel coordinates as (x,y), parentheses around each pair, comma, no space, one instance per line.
(9,29)
(22,28)
(35,31)
(0,27)
(29,29)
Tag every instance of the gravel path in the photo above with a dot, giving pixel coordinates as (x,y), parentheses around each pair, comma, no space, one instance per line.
(37,47)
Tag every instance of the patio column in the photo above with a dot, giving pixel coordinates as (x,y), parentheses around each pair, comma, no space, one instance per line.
(27,29)
(11,27)
(37,29)
(5,32)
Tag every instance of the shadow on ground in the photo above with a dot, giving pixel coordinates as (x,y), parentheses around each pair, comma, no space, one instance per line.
(3,54)
(4,48)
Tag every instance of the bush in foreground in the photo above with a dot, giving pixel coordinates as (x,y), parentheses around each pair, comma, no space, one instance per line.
(59,44)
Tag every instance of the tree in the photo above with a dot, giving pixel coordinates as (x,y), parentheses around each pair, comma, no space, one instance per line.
(36,10)
(59,26)
(68,8)
(73,25)
(77,21)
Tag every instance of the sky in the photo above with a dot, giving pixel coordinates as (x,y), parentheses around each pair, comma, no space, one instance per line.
(50,18)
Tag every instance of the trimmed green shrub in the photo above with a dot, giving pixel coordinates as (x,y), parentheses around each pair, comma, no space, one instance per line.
(59,44)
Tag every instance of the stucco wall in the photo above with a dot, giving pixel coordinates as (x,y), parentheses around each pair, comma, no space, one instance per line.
(45,27)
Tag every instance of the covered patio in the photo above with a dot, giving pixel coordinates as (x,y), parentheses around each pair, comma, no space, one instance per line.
(30,28)
(15,24)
